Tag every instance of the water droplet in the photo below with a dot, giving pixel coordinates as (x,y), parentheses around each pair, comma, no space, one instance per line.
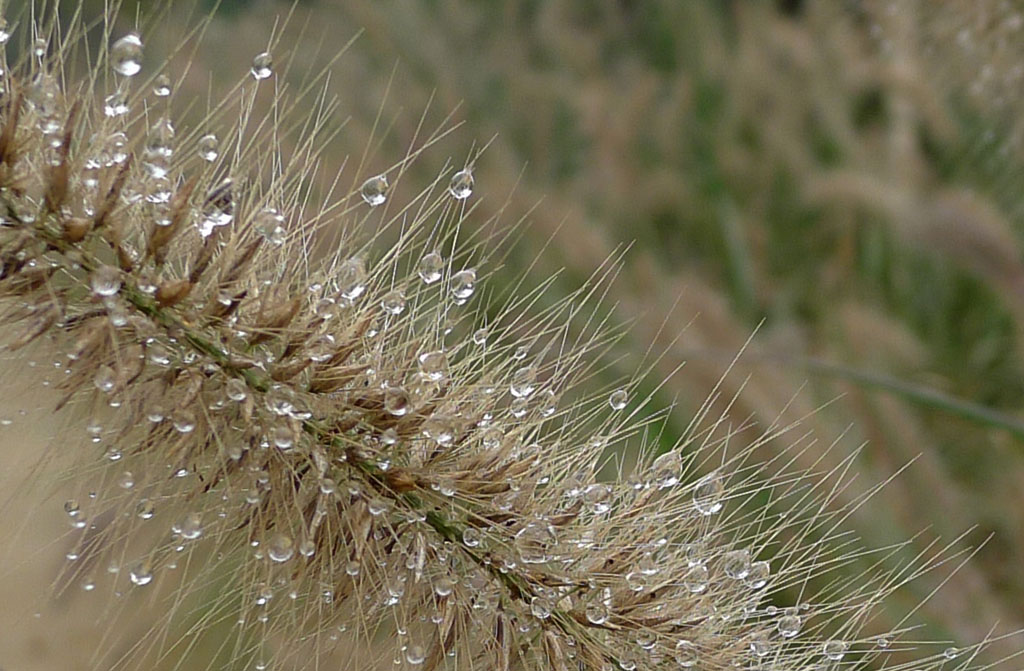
(116,104)
(283,437)
(736,564)
(760,647)
(618,399)
(598,498)
(374,190)
(208,148)
(218,208)
(184,421)
(757,576)
(415,654)
(280,548)
(598,608)
(236,390)
(5,31)
(666,470)
(157,189)
(105,379)
(884,643)
(685,654)
(707,495)
(430,267)
(480,337)
(524,382)
(270,224)
(72,508)
(461,186)
(834,650)
(434,365)
(535,542)
(397,401)
(352,568)
(471,537)
(190,527)
(439,429)
(789,625)
(145,510)
(393,302)
(950,653)
(262,66)
(463,285)
(126,55)
(351,278)
(540,607)
(696,578)
(105,281)
(141,573)
(443,586)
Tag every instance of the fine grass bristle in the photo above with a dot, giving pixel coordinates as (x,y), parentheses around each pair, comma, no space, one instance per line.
(310,440)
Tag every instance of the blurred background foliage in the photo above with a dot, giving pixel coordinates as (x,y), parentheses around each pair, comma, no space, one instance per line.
(842,178)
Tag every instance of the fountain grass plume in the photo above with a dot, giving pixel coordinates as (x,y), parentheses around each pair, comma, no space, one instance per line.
(301,418)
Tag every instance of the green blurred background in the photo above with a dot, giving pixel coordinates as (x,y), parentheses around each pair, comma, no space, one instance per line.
(843,177)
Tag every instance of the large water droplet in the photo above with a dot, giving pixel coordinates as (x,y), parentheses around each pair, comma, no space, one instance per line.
(439,429)
(834,650)
(162,86)
(666,470)
(105,280)
(540,607)
(430,267)
(262,66)
(598,608)
(789,625)
(707,495)
(352,278)
(434,365)
(736,564)
(685,654)
(535,542)
(126,55)
(190,527)
(105,379)
(397,401)
(116,104)
(463,284)
(415,654)
(461,186)
(270,224)
(374,190)
(696,578)
(524,382)
(208,148)
(141,573)
(618,399)
(393,302)
(280,548)
(757,577)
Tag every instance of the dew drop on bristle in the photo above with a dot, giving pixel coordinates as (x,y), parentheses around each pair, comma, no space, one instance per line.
(116,104)
(834,650)
(351,278)
(105,281)
(524,382)
(126,55)
(789,625)
(708,494)
(396,401)
(270,224)
(262,66)
(757,576)
(736,564)
(433,365)
(374,190)
(280,548)
(461,185)
(208,148)
(393,302)
(430,267)
(618,399)
(685,654)
(463,285)
(162,86)
(5,31)
(140,573)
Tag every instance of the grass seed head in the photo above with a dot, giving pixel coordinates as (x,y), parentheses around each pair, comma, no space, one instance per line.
(296,404)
